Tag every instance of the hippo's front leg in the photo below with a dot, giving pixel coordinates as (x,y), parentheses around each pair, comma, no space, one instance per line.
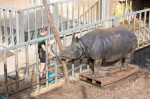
(97,64)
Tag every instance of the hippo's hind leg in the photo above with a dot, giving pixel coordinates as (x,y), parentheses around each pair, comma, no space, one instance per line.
(126,60)
(97,64)
(91,65)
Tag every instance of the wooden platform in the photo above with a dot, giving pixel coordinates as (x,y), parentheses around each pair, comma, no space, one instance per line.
(109,77)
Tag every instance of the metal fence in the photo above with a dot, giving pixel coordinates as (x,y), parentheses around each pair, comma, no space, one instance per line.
(21,25)
(137,22)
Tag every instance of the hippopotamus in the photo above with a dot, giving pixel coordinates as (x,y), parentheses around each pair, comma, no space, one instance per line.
(99,46)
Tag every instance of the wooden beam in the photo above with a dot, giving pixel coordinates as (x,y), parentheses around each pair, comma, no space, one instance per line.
(57,39)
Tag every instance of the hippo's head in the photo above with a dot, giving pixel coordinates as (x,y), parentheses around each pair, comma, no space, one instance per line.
(74,51)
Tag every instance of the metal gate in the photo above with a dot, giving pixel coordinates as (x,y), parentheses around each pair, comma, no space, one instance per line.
(21,25)
(137,22)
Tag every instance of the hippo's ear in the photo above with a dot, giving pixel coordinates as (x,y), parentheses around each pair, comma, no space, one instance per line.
(77,39)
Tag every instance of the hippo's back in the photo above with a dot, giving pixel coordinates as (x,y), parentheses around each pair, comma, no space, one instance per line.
(109,42)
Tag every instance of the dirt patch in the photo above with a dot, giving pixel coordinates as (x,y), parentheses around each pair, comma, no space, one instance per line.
(8,54)
(135,86)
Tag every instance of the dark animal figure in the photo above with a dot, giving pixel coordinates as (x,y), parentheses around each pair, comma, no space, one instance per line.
(99,46)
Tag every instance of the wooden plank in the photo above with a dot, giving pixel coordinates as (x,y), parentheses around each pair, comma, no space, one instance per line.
(110,77)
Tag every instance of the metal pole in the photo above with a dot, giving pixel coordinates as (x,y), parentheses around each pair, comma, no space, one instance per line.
(0,28)
(28,25)
(67,16)
(62,17)
(89,11)
(149,25)
(78,12)
(37,66)
(73,14)
(144,26)
(17,28)
(139,29)
(5,73)
(21,23)
(134,23)
(46,62)
(83,12)
(27,67)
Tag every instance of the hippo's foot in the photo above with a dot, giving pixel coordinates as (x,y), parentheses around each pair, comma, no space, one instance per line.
(124,66)
(95,75)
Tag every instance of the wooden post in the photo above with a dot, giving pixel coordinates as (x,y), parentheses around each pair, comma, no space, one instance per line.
(57,39)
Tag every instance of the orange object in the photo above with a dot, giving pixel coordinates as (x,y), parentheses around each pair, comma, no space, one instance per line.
(40,54)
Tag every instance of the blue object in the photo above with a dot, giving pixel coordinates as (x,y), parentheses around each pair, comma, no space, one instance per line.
(2,96)
(50,75)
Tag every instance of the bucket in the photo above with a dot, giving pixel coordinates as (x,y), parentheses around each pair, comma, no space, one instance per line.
(50,75)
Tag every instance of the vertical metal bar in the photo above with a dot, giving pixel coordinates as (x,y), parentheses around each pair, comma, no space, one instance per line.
(61,17)
(6,26)
(10,23)
(27,67)
(80,69)
(118,19)
(56,73)
(5,36)
(55,45)
(42,15)
(58,19)
(89,28)
(35,27)
(134,23)
(103,9)
(17,27)
(109,24)
(16,69)
(88,67)
(94,12)
(80,32)
(102,25)
(1,27)
(149,25)
(99,9)
(37,66)
(46,45)
(73,14)
(144,26)
(55,18)
(129,22)
(139,29)
(64,41)
(67,16)
(78,12)
(21,23)
(95,26)
(28,25)
(12,29)
(89,11)
(123,21)
(84,12)
(5,73)
(72,68)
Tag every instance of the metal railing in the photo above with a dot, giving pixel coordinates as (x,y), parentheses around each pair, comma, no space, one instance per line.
(21,25)
(137,22)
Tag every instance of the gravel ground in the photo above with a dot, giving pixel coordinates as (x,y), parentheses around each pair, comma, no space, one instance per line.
(135,86)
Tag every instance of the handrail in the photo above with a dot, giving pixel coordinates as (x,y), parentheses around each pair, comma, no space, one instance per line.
(39,6)
(9,8)
(71,30)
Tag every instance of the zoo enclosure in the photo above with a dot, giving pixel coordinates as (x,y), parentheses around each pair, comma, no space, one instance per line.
(21,25)
(137,22)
